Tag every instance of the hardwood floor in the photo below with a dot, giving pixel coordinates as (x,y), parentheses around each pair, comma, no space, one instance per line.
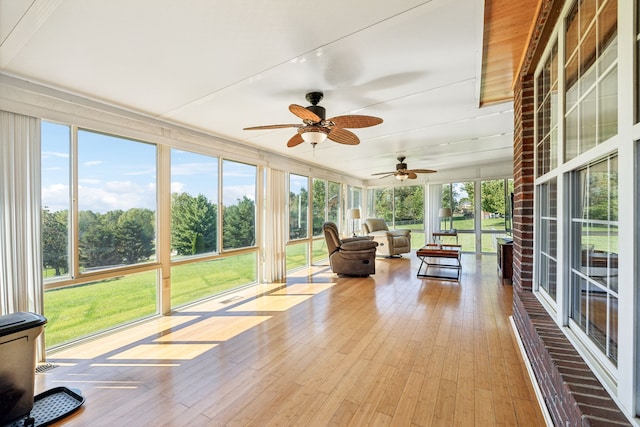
(390,349)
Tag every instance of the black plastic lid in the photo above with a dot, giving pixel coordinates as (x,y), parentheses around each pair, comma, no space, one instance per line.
(20,321)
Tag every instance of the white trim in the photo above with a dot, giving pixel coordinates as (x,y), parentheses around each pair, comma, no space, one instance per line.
(534,382)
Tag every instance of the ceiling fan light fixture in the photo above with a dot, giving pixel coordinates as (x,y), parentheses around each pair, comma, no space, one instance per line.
(314,134)
(402,176)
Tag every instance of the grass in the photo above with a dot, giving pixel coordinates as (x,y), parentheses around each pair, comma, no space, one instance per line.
(78,311)
(74,312)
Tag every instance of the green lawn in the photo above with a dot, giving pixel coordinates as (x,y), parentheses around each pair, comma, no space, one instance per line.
(75,312)
(78,311)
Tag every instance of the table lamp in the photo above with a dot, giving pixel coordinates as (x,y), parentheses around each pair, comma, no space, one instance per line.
(353,214)
(444,213)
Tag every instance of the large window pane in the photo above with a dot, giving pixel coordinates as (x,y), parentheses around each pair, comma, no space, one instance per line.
(591,77)
(462,209)
(297,255)
(239,207)
(382,204)
(547,238)
(319,207)
(74,312)
(319,251)
(198,280)
(409,212)
(194,203)
(116,201)
(594,250)
(56,200)
(298,206)
(334,202)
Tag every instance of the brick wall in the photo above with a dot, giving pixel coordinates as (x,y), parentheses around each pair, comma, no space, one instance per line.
(523,179)
(572,393)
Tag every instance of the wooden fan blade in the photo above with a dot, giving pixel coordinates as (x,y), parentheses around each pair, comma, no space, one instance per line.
(355,121)
(343,136)
(421,171)
(412,175)
(303,113)
(383,173)
(295,140)
(386,176)
(273,127)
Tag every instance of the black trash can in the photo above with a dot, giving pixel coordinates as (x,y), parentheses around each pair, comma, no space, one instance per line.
(18,333)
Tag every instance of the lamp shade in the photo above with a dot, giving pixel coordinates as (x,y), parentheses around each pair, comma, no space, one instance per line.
(402,176)
(353,213)
(314,134)
(444,213)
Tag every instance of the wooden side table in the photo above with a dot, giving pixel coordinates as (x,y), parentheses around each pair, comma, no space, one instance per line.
(505,258)
(441,257)
(445,233)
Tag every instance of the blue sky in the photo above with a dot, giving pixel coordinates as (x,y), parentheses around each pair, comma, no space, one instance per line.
(115,173)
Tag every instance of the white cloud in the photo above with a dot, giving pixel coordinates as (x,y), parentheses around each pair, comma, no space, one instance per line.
(56,197)
(92,163)
(114,195)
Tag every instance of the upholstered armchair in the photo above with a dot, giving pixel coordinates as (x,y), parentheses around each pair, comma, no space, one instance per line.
(390,242)
(354,256)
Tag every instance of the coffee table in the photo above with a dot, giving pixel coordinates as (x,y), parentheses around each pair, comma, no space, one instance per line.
(443,260)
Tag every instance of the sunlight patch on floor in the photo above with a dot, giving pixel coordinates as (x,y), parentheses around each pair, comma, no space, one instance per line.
(304,288)
(94,348)
(272,303)
(163,352)
(217,328)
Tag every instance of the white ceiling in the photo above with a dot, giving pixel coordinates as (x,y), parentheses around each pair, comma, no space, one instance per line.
(221,66)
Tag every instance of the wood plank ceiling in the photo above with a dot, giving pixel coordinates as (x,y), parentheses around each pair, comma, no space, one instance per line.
(507,28)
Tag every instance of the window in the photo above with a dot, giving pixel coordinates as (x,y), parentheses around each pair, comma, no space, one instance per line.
(56,200)
(334,202)
(495,210)
(459,197)
(594,254)
(319,207)
(591,81)
(239,208)
(116,201)
(547,114)
(86,250)
(409,212)
(381,204)
(547,273)
(194,204)
(298,206)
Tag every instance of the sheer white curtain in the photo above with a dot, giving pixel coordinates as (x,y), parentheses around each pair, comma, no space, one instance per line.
(434,197)
(275,235)
(21,274)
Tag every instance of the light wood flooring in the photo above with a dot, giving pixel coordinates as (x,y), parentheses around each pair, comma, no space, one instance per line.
(390,349)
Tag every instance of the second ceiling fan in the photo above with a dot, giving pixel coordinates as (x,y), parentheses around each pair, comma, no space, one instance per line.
(402,172)
(315,128)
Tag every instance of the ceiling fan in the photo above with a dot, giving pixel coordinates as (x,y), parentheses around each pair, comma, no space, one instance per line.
(316,128)
(401,173)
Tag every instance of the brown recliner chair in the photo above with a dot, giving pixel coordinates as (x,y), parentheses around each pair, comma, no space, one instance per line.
(390,242)
(354,256)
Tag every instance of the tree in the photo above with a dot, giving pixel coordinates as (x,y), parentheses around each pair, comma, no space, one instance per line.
(298,208)
(55,244)
(239,224)
(383,204)
(98,239)
(493,196)
(136,235)
(319,204)
(194,224)
(409,205)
